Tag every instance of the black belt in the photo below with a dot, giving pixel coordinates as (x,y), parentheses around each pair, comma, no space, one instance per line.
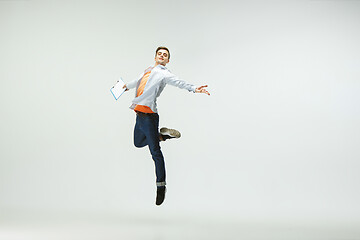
(144,114)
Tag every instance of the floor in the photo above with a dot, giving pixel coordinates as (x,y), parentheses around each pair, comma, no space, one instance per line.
(167,229)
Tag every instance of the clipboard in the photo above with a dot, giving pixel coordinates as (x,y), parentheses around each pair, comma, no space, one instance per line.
(117,90)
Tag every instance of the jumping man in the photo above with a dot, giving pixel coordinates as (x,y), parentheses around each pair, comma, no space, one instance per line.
(146,133)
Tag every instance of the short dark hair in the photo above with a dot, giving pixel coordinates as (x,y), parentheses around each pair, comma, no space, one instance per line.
(164,48)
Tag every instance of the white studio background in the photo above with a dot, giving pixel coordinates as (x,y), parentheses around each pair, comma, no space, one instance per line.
(277,140)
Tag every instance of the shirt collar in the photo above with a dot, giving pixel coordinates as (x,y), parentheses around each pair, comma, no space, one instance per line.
(161,66)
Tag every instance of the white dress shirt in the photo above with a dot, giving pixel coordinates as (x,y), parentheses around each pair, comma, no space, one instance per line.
(159,77)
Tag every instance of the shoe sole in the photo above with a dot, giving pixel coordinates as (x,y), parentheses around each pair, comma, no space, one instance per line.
(171,132)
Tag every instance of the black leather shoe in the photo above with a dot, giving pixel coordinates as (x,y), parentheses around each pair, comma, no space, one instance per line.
(160,195)
(168,133)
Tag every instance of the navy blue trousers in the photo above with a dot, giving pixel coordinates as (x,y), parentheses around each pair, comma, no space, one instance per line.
(146,133)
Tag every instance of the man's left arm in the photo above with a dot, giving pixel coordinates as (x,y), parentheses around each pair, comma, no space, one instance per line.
(173,80)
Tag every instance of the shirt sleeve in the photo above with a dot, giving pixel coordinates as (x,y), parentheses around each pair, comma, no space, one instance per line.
(173,80)
(132,84)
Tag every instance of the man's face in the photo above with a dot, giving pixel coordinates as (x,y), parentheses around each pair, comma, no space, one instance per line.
(162,57)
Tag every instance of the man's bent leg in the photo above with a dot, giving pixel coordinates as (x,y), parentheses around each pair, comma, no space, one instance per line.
(139,136)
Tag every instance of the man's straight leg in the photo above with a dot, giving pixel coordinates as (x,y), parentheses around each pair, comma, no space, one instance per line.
(151,131)
(146,132)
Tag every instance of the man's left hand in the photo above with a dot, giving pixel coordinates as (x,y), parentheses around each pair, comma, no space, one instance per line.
(202,89)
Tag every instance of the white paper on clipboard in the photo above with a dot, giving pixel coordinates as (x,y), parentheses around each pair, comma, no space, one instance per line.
(117,90)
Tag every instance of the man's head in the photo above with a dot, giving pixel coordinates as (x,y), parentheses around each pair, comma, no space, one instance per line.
(162,56)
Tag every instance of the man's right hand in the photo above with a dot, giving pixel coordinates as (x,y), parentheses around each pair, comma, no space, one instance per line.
(125,87)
